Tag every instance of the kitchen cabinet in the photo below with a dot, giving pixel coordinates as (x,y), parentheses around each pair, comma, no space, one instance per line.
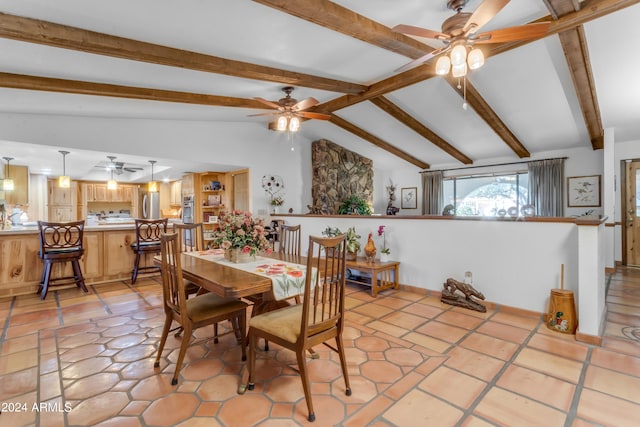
(175,198)
(20,176)
(187,186)
(62,202)
(128,192)
(120,259)
(100,193)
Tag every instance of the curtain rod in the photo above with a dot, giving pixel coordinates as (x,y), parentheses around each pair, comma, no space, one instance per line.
(489,166)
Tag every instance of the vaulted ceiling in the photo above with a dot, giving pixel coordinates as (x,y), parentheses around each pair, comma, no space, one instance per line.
(208,60)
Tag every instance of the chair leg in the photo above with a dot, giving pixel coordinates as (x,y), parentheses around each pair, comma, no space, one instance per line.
(215,333)
(163,339)
(45,281)
(343,363)
(253,343)
(134,272)
(79,278)
(304,376)
(183,350)
(242,320)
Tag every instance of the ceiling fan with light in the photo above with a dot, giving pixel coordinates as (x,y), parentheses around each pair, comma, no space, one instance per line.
(460,33)
(118,168)
(289,110)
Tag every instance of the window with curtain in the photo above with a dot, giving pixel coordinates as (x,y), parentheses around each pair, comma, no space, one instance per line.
(432,193)
(546,187)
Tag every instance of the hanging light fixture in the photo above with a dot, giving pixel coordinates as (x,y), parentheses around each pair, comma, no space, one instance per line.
(288,122)
(153,185)
(112,184)
(459,62)
(64,181)
(7,183)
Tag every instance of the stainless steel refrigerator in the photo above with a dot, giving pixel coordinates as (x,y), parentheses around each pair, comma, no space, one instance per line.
(149,205)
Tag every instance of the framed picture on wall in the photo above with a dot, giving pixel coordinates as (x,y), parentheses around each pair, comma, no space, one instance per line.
(409,198)
(583,191)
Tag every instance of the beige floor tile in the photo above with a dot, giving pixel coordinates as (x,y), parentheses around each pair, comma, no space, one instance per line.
(607,410)
(537,386)
(510,409)
(613,383)
(443,331)
(550,364)
(433,411)
(489,345)
(504,331)
(453,386)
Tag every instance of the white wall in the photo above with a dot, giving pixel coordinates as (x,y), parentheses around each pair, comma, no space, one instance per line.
(513,263)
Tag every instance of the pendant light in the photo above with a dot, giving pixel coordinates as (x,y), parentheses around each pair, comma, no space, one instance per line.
(153,185)
(7,183)
(112,184)
(64,181)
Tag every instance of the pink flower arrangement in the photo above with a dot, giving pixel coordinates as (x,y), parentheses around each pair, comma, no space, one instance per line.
(240,229)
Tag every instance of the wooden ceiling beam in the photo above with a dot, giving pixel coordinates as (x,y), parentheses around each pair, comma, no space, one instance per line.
(21,81)
(403,117)
(576,51)
(378,142)
(487,114)
(66,37)
(338,18)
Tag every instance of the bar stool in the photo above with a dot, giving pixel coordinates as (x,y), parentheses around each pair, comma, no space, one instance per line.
(60,242)
(148,232)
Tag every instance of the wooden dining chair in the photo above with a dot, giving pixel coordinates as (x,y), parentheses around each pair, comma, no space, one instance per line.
(289,239)
(319,319)
(190,239)
(60,242)
(148,233)
(192,313)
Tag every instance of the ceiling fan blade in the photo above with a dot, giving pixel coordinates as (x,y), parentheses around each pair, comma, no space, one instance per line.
(268,103)
(420,32)
(422,59)
(312,115)
(483,14)
(305,103)
(522,32)
(275,113)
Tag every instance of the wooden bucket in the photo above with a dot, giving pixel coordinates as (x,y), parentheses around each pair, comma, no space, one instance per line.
(562,312)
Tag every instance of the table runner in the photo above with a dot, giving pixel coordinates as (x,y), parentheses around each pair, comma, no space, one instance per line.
(287,278)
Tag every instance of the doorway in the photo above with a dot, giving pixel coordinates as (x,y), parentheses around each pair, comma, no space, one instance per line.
(630,212)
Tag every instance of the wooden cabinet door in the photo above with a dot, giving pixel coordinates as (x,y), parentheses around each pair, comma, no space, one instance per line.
(88,192)
(61,213)
(20,176)
(100,193)
(91,262)
(187,185)
(116,195)
(176,193)
(127,193)
(117,244)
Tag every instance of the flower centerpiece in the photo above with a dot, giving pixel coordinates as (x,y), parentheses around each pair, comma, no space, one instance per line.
(385,251)
(239,233)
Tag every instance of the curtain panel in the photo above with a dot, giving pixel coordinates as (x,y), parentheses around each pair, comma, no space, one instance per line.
(546,189)
(432,193)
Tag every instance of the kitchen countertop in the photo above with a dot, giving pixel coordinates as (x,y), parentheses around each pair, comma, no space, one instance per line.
(19,229)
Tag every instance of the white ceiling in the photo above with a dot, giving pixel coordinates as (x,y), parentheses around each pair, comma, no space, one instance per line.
(530,87)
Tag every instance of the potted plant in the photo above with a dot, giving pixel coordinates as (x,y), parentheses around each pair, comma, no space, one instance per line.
(353,240)
(385,251)
(354,205)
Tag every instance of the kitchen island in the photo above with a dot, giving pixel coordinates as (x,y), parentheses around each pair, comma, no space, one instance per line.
(107,257)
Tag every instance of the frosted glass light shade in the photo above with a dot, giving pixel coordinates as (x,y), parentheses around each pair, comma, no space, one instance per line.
(443,65)
(459,70)
(64,181)
(152,186)
(458,55)
(475,59)
(7,184)
(282,123)
(294,124)
(112,184)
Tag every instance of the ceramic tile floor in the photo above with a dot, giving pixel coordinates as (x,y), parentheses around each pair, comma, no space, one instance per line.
(87,359)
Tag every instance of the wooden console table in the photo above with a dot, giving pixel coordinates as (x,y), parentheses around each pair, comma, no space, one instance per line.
(384,275)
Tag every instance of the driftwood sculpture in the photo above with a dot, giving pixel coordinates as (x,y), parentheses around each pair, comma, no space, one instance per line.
(462,294)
